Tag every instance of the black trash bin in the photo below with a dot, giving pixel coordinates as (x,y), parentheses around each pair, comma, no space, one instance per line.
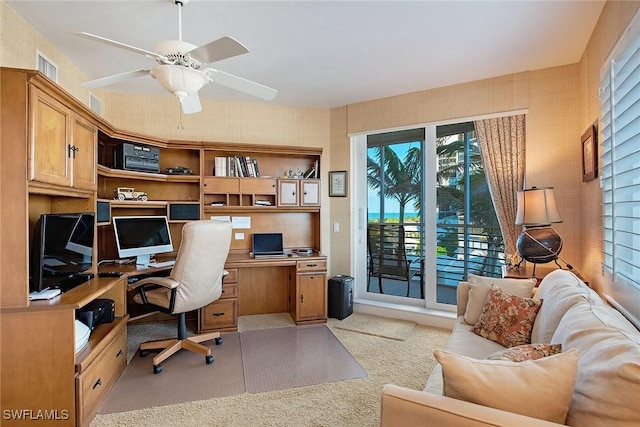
(340,296)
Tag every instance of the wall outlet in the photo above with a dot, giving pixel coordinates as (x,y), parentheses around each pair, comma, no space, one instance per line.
(239,236)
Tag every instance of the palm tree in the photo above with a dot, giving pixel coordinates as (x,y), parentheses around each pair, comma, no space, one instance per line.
(394,178)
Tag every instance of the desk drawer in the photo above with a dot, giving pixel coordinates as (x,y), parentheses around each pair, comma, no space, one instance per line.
(219,315)
(93,384)
(312,265)
(232,277)
(229,291)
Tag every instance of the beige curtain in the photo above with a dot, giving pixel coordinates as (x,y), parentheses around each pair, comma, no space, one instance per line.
(502,147)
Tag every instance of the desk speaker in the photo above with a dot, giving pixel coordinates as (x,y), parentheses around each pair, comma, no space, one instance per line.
(184,211)
(103,212)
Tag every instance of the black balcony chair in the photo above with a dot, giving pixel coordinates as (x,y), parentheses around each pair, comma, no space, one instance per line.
(388,257)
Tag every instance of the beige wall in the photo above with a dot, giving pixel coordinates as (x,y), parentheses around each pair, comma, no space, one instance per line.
(561,103)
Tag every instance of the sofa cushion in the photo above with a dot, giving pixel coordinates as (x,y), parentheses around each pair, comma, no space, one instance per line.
(480,287)
(465,343)
(607,386)
(520,353)
(560,290)
(507,319)
(538,388)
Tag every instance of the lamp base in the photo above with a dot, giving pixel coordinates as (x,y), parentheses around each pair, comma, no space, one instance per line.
(539,245)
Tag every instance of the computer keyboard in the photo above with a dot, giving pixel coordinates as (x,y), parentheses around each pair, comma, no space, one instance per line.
(162,264)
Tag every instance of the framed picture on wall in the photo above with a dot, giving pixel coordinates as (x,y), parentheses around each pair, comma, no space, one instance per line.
(338,184)
(589,154)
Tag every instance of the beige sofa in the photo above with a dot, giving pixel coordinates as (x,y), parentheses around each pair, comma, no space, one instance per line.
(607,382)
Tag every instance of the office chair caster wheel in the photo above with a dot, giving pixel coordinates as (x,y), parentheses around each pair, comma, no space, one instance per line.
(218,340)
(157,369)
(143,353)
(208,359)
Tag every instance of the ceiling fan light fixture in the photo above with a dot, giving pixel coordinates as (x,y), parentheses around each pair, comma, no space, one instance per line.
(180,81)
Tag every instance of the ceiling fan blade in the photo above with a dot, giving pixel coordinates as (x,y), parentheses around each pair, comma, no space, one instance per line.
(191,103)
(116,78)
(119,45)
(241,84)
(217,50)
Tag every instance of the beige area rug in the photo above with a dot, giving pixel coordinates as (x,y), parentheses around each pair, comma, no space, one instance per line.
(394,329)
(352,403)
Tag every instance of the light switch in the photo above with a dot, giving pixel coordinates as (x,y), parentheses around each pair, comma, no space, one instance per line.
(336,227)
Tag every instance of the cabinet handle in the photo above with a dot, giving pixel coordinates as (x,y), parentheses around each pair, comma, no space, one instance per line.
(119,353)
(301,298)
(217,314)
(312,265)
(98,383)
(72,150)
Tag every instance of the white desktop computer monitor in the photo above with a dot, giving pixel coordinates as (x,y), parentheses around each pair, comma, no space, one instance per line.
(142,236)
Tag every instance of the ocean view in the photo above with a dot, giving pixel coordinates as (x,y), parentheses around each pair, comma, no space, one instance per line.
(375,216)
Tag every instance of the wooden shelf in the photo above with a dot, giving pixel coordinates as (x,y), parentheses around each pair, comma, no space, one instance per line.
(106,172)
(150,204)
(99,338)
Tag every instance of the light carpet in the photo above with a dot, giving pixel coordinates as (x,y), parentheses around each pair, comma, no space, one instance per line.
(394,329)
(352,403)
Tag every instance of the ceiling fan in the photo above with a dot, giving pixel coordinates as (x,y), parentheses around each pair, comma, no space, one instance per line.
(182,67)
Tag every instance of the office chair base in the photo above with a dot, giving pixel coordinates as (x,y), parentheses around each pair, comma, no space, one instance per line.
(172,346)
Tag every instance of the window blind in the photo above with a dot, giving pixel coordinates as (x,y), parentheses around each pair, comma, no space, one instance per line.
(620,178)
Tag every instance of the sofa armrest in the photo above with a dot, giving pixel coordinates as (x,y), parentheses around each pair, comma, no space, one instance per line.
(405,407)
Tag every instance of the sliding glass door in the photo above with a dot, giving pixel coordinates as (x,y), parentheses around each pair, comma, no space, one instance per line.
(430,220)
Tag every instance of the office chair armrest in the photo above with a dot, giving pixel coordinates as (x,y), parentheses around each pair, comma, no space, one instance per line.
(165,282)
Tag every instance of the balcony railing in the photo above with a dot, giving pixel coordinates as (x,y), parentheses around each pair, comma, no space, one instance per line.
(462,250)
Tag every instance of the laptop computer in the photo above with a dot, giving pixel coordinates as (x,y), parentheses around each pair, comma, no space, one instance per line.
(268,245)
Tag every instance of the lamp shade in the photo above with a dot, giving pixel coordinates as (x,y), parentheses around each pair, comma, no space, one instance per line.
(180,81)
(537,206)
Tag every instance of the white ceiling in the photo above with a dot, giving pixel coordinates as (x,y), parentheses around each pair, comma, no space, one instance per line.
(327,53)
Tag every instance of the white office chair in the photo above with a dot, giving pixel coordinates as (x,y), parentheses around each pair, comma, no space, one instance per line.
(195,282)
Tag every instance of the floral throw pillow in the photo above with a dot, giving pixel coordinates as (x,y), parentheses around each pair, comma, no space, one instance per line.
(520,353)
(507,319)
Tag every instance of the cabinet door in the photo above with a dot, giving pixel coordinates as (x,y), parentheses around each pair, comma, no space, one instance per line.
(310,193)
(84,154)
(287,192)
(262,186)
(49,145)
(312,296)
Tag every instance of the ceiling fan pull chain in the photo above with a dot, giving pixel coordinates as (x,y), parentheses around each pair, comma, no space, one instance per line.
(180,125)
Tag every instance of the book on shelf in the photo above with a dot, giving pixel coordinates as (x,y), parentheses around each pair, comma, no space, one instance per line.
(220,166)
(236,166)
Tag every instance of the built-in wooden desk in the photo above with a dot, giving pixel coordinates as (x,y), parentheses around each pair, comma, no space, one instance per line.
(296,284)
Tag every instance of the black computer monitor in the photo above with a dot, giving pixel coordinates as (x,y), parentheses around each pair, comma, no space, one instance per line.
(61,250)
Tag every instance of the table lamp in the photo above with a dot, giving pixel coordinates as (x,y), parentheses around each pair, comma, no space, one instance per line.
(538,243)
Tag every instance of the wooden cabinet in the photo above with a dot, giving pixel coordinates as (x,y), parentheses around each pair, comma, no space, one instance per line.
(310,189)
(298,192)
(309,292)
(93,383)
(62,149)
(222,315)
